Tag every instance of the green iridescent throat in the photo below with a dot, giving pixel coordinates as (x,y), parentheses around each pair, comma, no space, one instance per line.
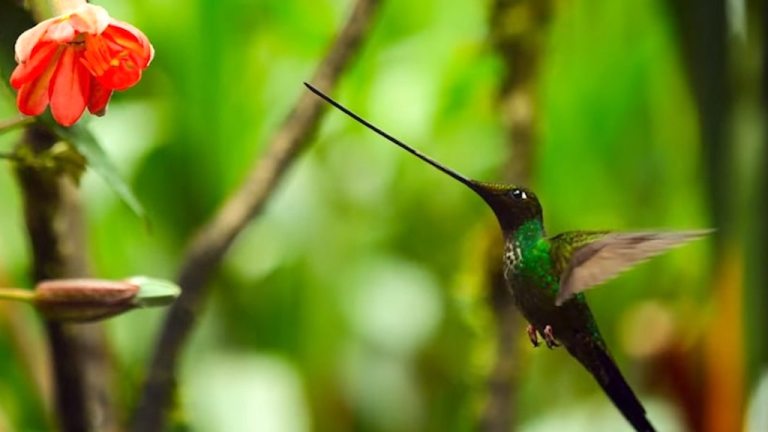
(535,261)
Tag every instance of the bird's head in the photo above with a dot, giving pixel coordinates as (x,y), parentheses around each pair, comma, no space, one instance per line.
(513,205)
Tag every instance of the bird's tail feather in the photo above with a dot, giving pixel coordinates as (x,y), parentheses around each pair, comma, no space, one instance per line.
(600,363)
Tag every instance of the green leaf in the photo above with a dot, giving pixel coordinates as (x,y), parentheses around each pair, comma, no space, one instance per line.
(154,292)
(86,143)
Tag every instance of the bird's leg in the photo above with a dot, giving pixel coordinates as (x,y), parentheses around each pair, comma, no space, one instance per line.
(532,335)
(549,338)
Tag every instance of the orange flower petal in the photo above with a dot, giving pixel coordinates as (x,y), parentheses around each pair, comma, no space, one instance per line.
(70,88)
(124,52)
(97,104)
(38,61)
(96,56)
(132,39)
(120,77)
(33,96)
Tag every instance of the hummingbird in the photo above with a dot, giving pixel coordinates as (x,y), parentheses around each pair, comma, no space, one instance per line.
(547,275)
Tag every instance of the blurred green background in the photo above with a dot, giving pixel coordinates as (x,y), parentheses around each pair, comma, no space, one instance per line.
(357,301)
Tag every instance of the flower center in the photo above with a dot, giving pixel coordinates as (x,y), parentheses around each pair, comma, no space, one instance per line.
(78,41)
(97,57)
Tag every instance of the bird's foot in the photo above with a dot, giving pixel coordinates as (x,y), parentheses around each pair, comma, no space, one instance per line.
(549,338)
(532,335)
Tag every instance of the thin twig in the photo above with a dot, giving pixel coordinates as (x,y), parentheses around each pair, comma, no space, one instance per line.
(214,239)
(15,122)
(17,294)
(9,156)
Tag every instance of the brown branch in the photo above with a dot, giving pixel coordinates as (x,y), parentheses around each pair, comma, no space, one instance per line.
(54,224)
(499,414)
(214,239)
(520,48)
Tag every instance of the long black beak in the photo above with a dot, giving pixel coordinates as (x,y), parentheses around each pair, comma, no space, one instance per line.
(475,186)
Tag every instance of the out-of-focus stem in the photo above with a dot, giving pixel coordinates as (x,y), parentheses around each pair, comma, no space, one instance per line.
(84,402)
(15,122)
(61,6)
(520,47)
(17,294)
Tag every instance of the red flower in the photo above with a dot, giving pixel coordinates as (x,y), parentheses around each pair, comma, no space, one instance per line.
(76,60)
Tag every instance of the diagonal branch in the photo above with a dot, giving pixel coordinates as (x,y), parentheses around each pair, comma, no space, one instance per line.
(214,239)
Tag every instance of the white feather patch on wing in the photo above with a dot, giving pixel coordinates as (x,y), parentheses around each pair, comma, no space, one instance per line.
(614,253)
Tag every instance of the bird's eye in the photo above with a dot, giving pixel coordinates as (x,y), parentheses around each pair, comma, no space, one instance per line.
(518,194)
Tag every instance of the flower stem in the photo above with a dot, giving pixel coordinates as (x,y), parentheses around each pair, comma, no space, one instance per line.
(10,156)
(62,6)
(17,294)
(14,122)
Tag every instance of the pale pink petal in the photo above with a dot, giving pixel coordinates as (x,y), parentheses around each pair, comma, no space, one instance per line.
(27,40)
(61,32)
(70,89)
(89,18)
(64,6)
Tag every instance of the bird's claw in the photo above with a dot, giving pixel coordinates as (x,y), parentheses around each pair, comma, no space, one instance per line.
(532,335)
(549,338)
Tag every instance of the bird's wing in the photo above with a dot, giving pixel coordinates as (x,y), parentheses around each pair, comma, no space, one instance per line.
(563,246)
(591,258)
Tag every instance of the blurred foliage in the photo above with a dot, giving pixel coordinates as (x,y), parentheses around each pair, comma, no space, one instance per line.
(354,302)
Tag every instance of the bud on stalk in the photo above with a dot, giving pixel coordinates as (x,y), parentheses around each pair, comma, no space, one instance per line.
(84,299)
